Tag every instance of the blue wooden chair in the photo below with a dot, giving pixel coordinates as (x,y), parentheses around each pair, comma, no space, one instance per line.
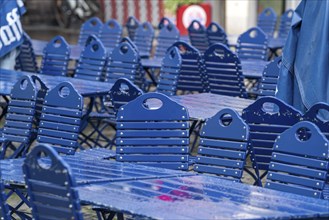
(51,186)
(267,21)
(285,24)
(153,132)
(198,36)
(22,117)
(168,35)
(270,77)
(224,146)
(56,57)
(252,44)
(110,34)
(267,118)
(132,24)
(90,27)
(300,161)
(224,72)
(92,60)
(4,209)
(216,34)
(26,60)
(169,72)
(144,39)
(316,116)
(192,77)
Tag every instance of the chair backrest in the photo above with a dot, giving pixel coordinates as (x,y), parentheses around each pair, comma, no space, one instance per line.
(51,185)
(198,36)
(56,57)
(192,77)
(110,33)
(153,133)
(61,118)
(223,69)
(92,26)
(169,72)
(4,209)
(124,61)
(285,23)
(92,60)
(122,92)
(252,44)
(26,60)
(270,78)
(267,21)
(168,35)
(316,116)
(223,145)
(300,161)
(144,38)
(267,118)
(216,34)
(132,24)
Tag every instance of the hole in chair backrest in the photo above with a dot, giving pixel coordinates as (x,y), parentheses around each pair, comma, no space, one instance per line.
(57,43)
(225,119)
(37,84)
(182,49)
(279,63)
(124,88)
(44,161)
(270,108)
(172,54)
(290,13)
(219,53)
(145,27)
(64,92)
(323,115)
(124,49)
(152,104)
(111,24)
(303,134)
(196,26)
(95,47)
(24,84)
(214,28)
(268,13)
(253,34)
(93,23)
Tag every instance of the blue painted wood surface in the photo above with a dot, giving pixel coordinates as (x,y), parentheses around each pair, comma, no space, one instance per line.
(90,27)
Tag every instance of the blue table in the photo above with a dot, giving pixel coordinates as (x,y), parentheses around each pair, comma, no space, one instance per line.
(273,43)
(200,197)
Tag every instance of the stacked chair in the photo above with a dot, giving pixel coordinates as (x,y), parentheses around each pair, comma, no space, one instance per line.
(285,24)
(92,60)
(131,25)
(300,161)
(153,134)
(198,36)
(318,114)
(192,77)
(267,21)
(144,39)
(110,33)
(223,71)
(26,60)
(56,57)
(253,45)
(92,26)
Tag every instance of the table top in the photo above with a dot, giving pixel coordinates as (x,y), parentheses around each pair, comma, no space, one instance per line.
(39,45)
(92,170)
(273,43)
(152,63)
(200,197)
(205,105)
(86,88)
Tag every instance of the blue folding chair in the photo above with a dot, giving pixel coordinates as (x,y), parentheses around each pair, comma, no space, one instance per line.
(316,114)
(252,44)
(285,24)
(224,146)
(153,130)
(90,27)
(110,34)
(22,117)
(131,25)
(26,60)
(270,77)
(192,77)
(198,36)
(4,209)
(168,35)
(144,39)
(51,185)
(300,161)
(216,34)
(267,21)
(169,73)
(223,69)
(267,118)
(92,60)
(56,57)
